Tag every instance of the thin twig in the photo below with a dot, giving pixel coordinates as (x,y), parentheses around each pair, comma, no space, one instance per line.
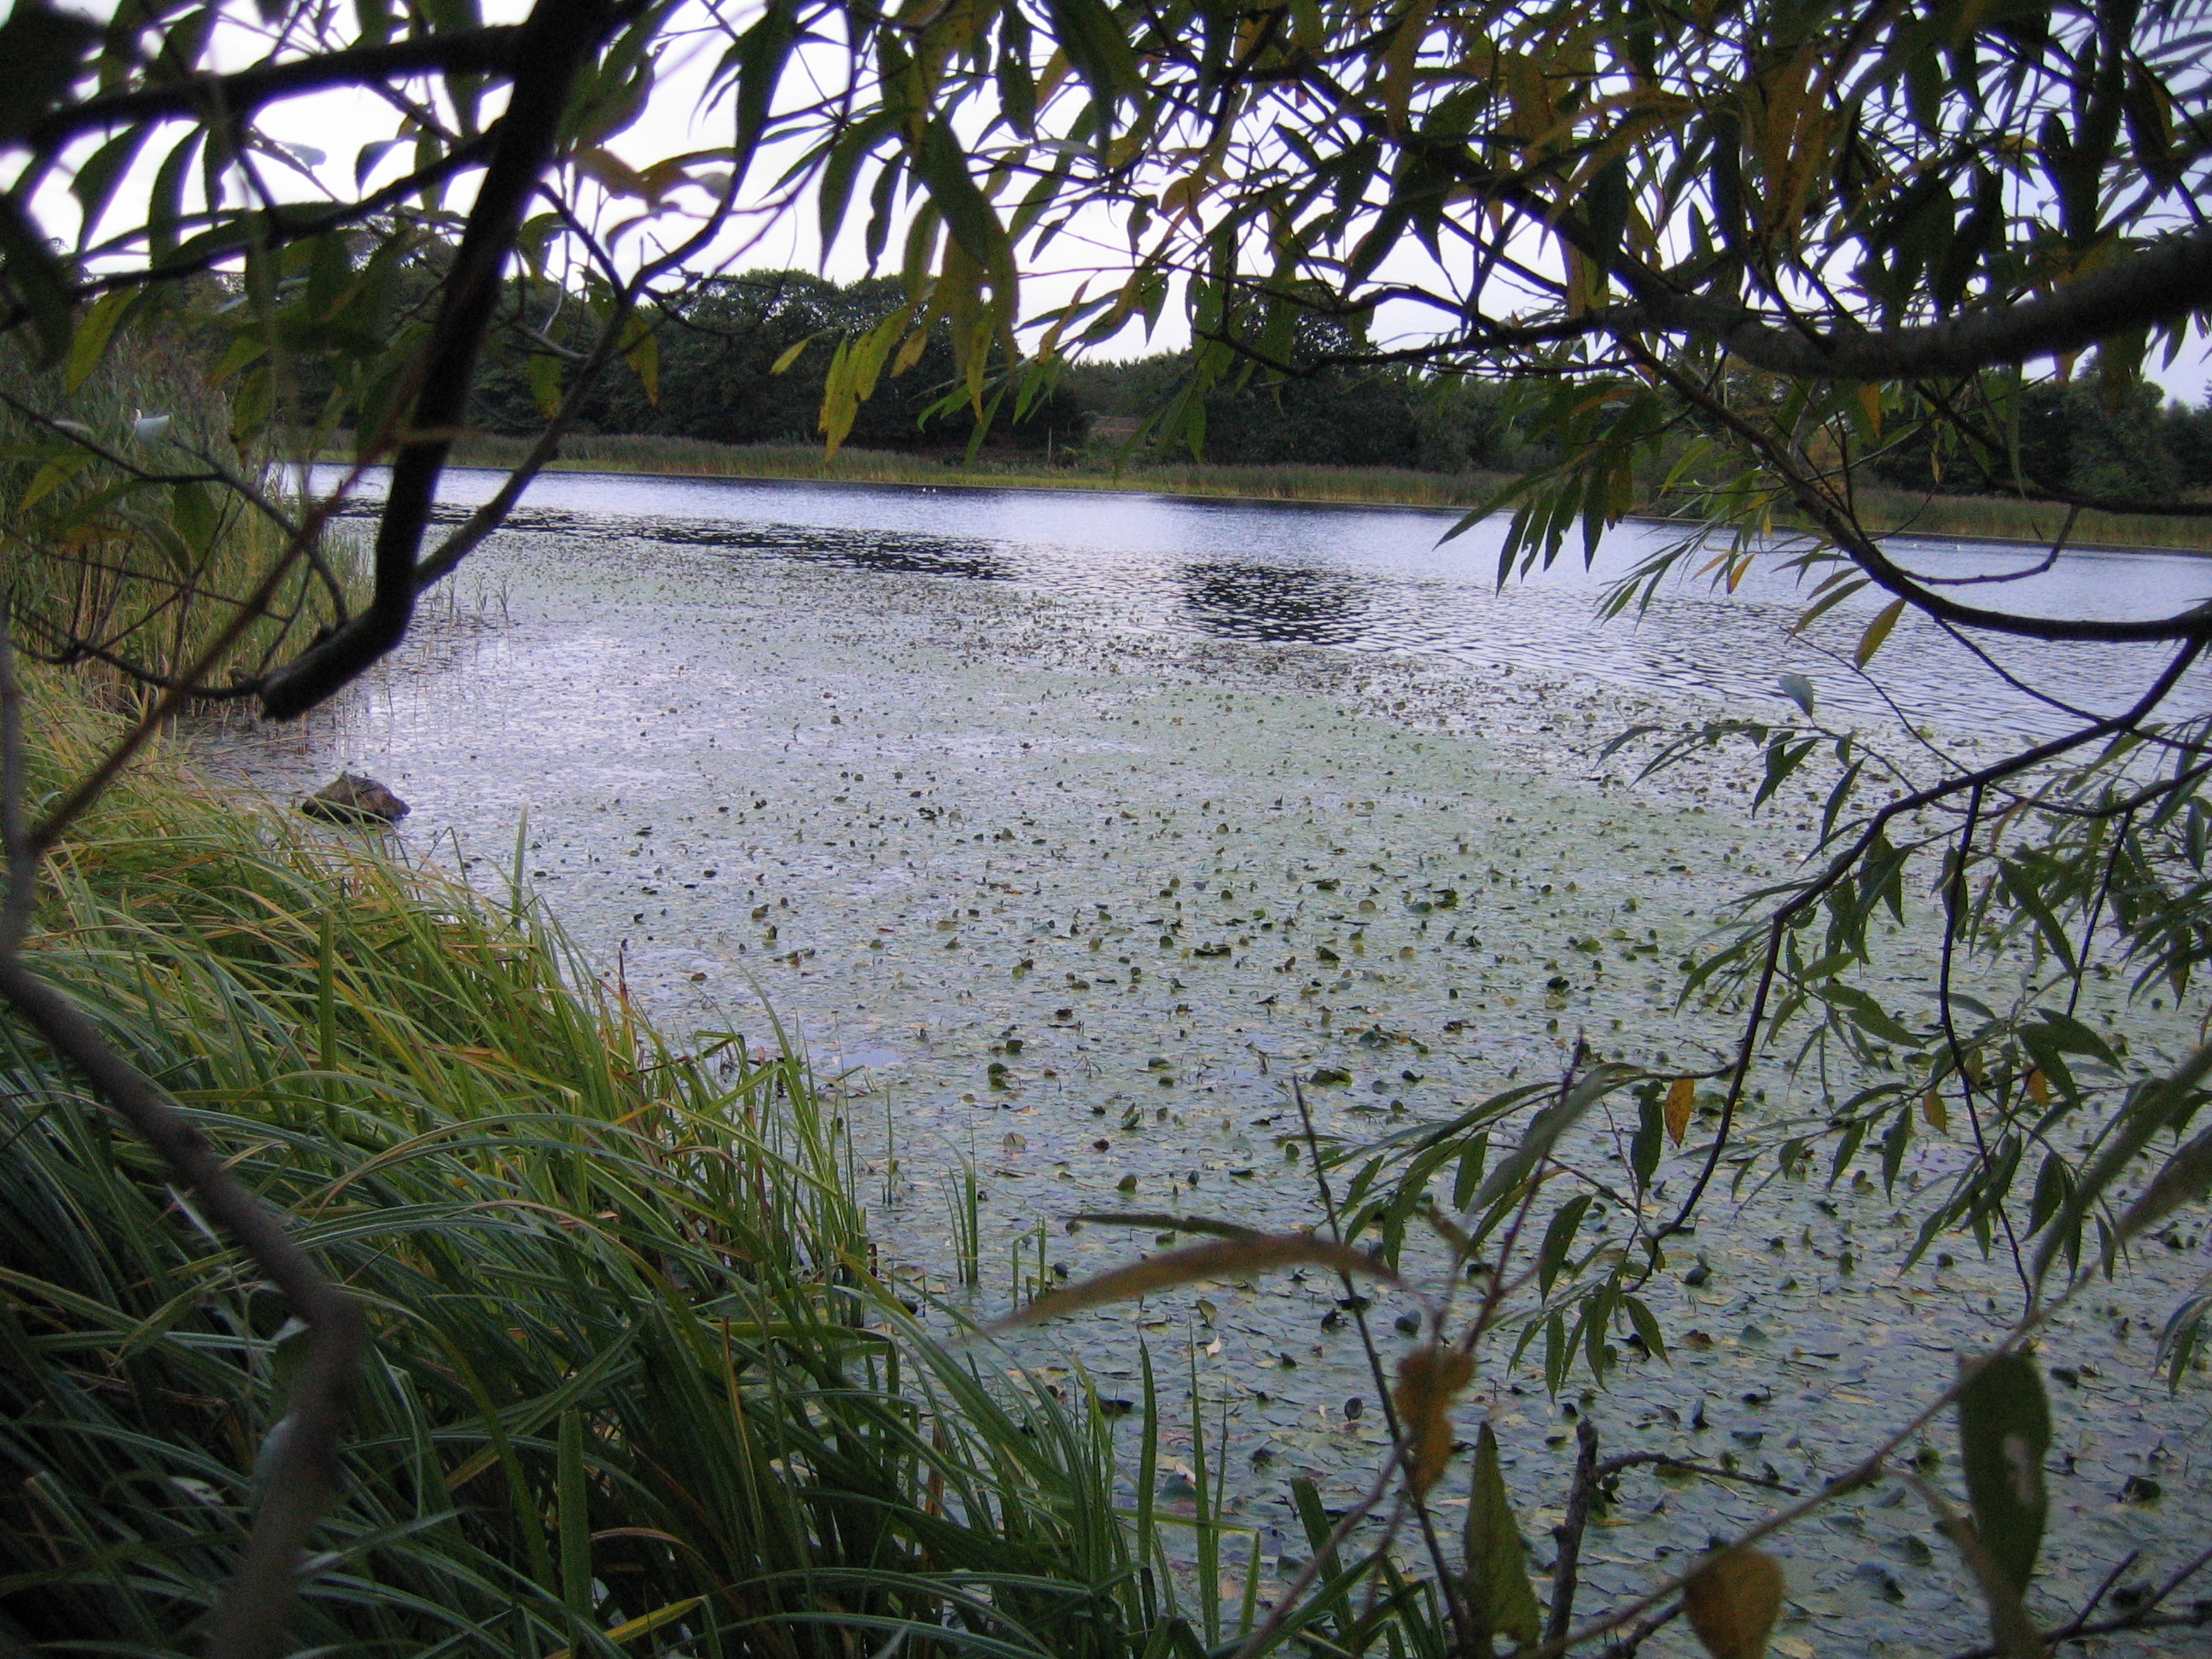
(1384,1401)
(1568,1534)
(1955,911)
(1645,1629)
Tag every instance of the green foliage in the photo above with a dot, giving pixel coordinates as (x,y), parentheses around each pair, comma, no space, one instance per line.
(630,1379)
(746,359)
(629,1366)
(2004,1429)
(127,545)
(1499,1597)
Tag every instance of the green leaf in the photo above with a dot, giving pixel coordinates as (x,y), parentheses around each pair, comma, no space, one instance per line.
(1647,1147)
(95,181)
(1499,1595)
(40,285)
(1647,1325)
(2184,1178)
(1559,1239)
(1468,1177)
(45,50)
(1871,1017)
(543,369)
(1545,1127)
(943,164)
(1096,45)
(1305,1497)
(573,1517)
(2149,1109)
(93,333)
(2004,1431)
(760,52)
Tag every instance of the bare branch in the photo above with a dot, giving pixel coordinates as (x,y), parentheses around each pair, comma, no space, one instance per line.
(2163,283)
(559,37)
(490,50)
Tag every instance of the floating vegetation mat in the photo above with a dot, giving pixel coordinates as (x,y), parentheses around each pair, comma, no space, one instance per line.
(1067,909)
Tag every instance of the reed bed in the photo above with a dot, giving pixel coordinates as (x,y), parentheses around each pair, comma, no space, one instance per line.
(1995,517)
(131,540)
(1095,468)
(632,1384)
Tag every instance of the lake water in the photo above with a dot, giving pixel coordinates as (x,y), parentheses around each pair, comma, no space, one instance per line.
(1388,581)
(1062,830)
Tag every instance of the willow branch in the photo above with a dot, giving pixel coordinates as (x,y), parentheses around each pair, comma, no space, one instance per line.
(490,50)
(559,38)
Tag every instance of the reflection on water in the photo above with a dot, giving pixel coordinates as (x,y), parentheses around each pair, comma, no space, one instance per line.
(922,555)
(1247,601)
(1380,580)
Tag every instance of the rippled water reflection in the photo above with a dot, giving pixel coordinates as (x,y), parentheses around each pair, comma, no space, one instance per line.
(1374,580)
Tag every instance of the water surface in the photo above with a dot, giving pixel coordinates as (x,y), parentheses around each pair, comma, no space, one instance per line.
(1067,830)
(1394,580)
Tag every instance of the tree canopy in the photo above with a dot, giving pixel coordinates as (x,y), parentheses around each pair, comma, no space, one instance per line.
(1741,258)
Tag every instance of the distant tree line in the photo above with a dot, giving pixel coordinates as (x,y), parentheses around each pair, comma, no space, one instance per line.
(2077,438)
(744,359)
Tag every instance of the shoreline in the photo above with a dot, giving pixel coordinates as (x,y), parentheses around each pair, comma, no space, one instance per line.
(1032,484)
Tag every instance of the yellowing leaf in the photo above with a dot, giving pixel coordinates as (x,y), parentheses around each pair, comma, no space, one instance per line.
(1429,1379)
(1681,1100)
(790,353)
(1877,631)
(1870,405)
(1219,1259)
(1938,1114)
(1499,1595)
(2039,1087)
(630,1629)
(1732,1602)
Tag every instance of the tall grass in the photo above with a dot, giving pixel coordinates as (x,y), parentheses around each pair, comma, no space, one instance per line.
(133,543)
(1995,517)
(632,1384)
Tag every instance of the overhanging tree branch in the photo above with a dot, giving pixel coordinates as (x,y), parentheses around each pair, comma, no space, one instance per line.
(560,36)
(490,50)
(2164,283)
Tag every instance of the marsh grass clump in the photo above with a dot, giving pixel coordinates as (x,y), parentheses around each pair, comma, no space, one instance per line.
(631,1373)
(140,530)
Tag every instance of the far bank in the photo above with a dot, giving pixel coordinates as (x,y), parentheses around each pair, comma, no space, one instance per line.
(1965,518)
